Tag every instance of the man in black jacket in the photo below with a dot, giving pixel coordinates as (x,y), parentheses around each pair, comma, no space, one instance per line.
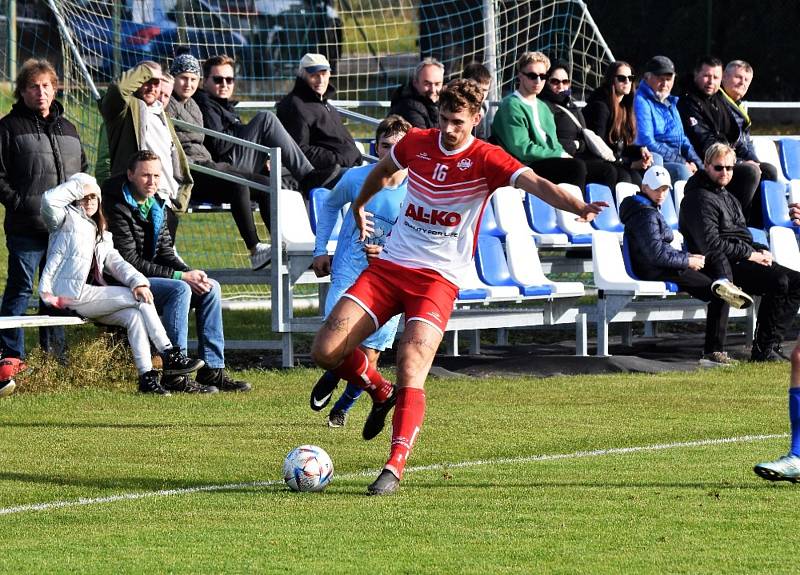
(713,224)
(39,149)
(707,120)
(313,122)
(219,113)
(648,239)
(418,101)
(137,221)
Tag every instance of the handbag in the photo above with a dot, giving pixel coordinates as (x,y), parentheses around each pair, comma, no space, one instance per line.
(594,143)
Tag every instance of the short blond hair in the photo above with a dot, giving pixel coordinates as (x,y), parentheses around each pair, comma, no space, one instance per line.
(718,150)
(532,58)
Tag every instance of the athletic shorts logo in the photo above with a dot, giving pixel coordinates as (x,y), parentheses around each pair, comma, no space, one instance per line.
(436,217)
(464,164)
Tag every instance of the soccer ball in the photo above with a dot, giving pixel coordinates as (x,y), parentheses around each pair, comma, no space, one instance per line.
(307,468)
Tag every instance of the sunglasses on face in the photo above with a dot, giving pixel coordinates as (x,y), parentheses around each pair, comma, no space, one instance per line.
(534,76)
(622,79)
(719,168)
(220,79)
(557,82)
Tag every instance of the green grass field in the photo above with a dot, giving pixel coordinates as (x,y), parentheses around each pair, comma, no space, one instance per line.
(194,482)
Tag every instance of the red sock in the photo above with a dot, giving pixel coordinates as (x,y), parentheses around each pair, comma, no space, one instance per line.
(406,422)
(356,369)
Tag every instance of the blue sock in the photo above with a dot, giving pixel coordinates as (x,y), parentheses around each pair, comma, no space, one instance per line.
(794,419)
(348,398)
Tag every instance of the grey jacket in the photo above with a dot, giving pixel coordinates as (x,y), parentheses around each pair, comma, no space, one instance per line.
(192,142)
(73,245)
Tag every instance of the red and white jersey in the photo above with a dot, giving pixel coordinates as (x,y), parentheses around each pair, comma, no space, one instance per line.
(447,193)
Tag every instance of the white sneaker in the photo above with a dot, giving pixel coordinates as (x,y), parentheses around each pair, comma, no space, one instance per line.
(261,257)
(733,295)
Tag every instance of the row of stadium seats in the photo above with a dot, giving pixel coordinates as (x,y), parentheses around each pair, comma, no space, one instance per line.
(783,153)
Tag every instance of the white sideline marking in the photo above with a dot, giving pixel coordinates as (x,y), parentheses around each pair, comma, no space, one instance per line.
(368,472)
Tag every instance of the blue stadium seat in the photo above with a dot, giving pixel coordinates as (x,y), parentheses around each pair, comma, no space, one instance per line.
(669,212)
(472,294)
(315,199)
(608,219)
(759,236)
(626,257)
(492,267)
(543,219)
(790,158)
(775,205)
(489,225)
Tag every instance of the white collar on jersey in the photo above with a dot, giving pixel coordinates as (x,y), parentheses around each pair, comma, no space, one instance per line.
(447,152)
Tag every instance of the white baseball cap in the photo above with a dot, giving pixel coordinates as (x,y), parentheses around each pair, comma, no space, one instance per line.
(657,176)
(313,63)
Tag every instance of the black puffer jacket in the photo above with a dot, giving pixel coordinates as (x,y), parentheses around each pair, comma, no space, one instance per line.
(36,154)
(569,134)
(418,110)
(707,120)
(191,141)
(135,238)
(712,222)
(317,127)
(220,115)
(648,237)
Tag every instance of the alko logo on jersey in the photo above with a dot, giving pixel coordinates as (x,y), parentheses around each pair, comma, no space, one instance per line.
(436,217)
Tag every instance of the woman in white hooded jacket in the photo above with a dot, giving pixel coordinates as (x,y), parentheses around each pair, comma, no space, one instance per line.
(80,251)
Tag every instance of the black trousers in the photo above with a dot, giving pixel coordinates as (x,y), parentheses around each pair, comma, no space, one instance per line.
(779,288)
(744,187)
(698,285)
(561,171)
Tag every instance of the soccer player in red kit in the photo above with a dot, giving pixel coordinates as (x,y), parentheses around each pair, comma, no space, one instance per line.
(451,177)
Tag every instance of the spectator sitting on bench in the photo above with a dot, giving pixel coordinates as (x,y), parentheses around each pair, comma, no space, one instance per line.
(181,106)
(313,121)
(79,253)
(418,100)
(136,120)
(649,238)
(136,221)
(483,76)
(713,224)
(219,114)
(39,149)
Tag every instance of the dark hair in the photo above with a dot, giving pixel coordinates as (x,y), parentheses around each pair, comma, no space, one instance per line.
(622,123)
(460,94)
(390,126)
(478,72)
(710,61)
(33,68)
(141,156)
(100,219)
(218,60)
(558,66)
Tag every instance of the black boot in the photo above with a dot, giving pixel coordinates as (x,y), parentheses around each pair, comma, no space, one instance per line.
(176,363)
(219,379)
(148,383)
(185,384)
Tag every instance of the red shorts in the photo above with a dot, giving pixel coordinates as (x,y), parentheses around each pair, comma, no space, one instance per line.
(385,289)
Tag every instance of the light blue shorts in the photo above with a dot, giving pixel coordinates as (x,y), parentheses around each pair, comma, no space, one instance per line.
(379,340)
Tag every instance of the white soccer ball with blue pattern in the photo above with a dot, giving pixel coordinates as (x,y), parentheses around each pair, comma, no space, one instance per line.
(307,468)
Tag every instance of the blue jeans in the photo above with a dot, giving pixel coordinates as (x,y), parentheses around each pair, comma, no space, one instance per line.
(26,254)
(174,299)
(678,171)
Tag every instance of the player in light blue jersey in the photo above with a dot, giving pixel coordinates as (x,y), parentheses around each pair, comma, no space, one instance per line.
(352,255)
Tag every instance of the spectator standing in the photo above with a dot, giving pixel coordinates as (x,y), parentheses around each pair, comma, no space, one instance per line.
(219,114)
(313,121)
(80,252)
(736,80)
(39,149)
(707,120)
(570,125)
(713,224)
(649,238)
(525,127)
(136,220)
(418,100)
(353,254)
(187,73)
(135,120)
(609,114)
(658,122)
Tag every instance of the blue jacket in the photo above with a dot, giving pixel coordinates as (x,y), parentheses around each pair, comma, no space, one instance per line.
(659,127)
(648,237)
